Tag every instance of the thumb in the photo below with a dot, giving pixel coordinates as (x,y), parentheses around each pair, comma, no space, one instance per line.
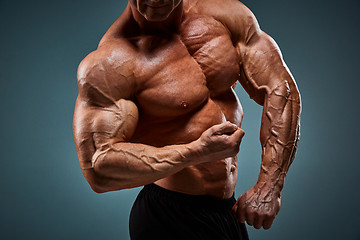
(239,133)
(225,128)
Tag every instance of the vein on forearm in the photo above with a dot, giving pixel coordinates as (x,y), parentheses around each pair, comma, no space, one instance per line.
(280,129)
(131,160)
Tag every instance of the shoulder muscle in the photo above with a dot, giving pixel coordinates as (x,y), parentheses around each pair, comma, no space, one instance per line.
(106,75)
(239,20)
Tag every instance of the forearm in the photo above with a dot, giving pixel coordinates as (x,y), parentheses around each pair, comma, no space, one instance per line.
(280,131)
(127,165)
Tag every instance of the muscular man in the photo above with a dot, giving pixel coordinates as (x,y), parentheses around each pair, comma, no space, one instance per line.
(156,107)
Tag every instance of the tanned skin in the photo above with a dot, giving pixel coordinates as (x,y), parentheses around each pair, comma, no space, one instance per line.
(156,103)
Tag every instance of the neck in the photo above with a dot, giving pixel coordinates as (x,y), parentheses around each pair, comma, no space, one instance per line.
(167,26)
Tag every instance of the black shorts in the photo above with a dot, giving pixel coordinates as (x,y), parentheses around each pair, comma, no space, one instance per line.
(160,214)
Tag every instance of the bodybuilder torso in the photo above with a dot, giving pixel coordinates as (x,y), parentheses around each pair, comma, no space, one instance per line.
(183,85)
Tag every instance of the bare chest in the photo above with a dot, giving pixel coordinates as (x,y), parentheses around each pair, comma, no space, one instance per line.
(176,75)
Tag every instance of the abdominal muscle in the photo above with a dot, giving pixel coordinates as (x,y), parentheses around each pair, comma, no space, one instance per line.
(216,178)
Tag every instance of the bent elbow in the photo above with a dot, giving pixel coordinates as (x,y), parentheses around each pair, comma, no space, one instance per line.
(97,189)
(100,184)
(96,183)
(103,180)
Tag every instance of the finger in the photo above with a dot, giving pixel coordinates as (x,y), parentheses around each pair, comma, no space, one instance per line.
(250,216)
(236,211)
(241,215)
(226,127)
(258,222)
(268,222)
(239,209)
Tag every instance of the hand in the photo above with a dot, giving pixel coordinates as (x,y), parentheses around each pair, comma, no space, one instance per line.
(220,141)
(258,206)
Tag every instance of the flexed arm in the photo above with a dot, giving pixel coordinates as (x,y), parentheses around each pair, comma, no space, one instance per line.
(108,161)
(104,121)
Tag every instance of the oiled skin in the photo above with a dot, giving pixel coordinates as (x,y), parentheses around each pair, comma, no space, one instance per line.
(152,96)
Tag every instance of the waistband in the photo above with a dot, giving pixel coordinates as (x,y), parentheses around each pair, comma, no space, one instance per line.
(190,200)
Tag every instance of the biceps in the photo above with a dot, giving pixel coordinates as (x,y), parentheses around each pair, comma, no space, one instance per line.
(115,123)
(96,128)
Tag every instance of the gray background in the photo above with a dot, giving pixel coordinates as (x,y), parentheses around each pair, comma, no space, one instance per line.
(43,193)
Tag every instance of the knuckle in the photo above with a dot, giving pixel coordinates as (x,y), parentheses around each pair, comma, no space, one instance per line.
(269,215)
(242,207)
(250,211)
(211,130)
(242,132)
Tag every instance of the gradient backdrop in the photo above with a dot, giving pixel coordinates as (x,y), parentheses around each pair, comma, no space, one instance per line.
(43,193)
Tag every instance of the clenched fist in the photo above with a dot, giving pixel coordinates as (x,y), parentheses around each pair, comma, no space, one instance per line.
(259,205)
(220,141)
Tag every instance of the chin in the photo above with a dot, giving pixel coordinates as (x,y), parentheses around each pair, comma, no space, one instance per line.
(156,18)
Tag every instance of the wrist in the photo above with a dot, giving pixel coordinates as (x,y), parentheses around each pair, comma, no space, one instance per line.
(195,151)
(275,179)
